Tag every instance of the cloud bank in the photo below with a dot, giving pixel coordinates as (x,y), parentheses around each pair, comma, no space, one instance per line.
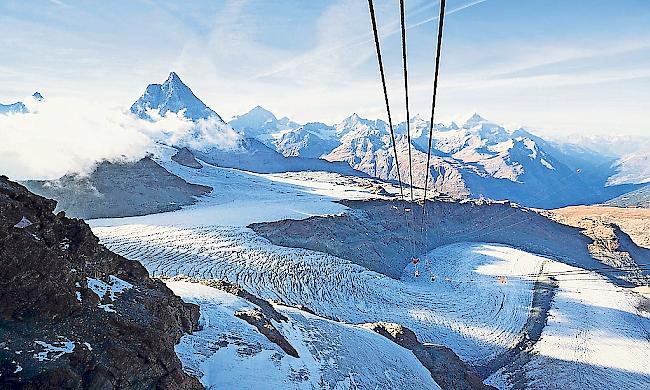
(60,136)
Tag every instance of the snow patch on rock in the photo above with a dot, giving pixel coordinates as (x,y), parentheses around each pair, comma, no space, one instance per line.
(101,288)
(53,350)
(23,223)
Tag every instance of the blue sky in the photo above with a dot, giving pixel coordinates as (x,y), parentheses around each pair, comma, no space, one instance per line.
(556,66)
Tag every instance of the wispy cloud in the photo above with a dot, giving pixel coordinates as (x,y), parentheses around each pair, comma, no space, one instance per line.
(359,42)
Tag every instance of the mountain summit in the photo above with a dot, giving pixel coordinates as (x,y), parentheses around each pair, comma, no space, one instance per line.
(260,123)
(474,120)
(172,96)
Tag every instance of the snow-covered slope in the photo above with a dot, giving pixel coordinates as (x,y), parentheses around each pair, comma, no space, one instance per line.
(467,307)
(632,169)
(229,353)
(471,313)
(597,336)
(477,303)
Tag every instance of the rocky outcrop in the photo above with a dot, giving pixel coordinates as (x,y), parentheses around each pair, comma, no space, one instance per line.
(377,234)
(257,318)
(619,236)
(75,315)
(120,190)
(236,290)
(185,157)
(260,317)
(445,366)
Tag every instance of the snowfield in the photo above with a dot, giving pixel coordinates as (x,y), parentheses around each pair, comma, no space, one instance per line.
(240,198)
(466,308)
(472,297)
(596,337)
(332,355)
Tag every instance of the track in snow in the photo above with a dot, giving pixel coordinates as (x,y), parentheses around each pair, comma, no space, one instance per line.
(596,337)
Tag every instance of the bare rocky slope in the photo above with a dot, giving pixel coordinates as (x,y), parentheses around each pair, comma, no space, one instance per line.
(119,190)
(376,234)
(637,198)
(619,235)
(634,222)
(75,315)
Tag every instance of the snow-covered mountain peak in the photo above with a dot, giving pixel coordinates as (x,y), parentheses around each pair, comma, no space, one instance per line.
(417,118)
(37,96)
(473,120)
(261,113)
(255,114)
(352,120)
(174,87)
(262,124)
(13,108)
(172,96)
(173,79)
(358,126)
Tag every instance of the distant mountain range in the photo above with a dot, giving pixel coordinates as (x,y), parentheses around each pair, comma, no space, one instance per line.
(478,158)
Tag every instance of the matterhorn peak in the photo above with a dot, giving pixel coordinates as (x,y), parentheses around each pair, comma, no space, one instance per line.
(172,96)
(173,77)
(174,84)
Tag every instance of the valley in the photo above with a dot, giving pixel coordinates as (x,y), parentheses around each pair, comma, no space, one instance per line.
(324,195)
(339,261)
(311,269)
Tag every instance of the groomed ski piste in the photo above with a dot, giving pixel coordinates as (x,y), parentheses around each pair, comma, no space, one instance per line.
(474,298)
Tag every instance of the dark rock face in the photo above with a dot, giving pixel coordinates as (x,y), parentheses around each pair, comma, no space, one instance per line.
(120,190)
(445,366)
(185,157)
(257,318)
(75,315)
(377,234)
